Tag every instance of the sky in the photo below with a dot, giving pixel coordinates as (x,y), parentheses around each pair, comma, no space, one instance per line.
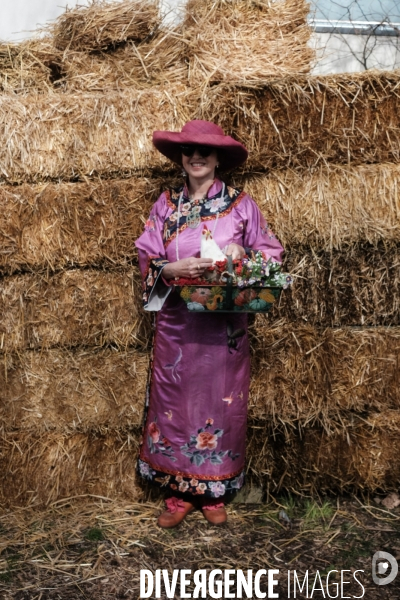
(20,17)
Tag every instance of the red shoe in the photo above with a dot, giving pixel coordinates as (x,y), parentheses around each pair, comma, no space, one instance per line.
(177,509)
(215,513)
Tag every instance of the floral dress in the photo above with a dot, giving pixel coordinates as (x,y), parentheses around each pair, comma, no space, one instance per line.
(196,406)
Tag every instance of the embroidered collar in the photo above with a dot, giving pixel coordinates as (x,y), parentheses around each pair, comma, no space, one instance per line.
(207,209)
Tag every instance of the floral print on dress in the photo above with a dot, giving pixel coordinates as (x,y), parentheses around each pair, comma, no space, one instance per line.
(215,205)
(203,447)
(206,209)
(217,488)
(157,443)
(173,367)
(150,224)
(192,485)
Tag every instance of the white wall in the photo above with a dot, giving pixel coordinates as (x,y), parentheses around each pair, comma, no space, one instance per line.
(20,17)
(339,53)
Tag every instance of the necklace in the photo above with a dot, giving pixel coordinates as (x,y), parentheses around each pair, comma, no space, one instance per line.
(198,215)
(193,218)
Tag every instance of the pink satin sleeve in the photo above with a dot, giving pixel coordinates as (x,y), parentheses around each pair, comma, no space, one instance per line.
(257,234)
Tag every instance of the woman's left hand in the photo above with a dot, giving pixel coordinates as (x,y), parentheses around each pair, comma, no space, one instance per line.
(236,251)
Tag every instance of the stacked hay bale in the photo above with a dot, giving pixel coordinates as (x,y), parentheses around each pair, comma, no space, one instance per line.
(78,175)
(73,338)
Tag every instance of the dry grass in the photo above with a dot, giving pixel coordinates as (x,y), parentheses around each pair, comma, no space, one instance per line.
(76,390)
(305,122)
(301,376)
(243,42)
(96,222)
(91,307)
(304,376)
(362,454)
(73,308)
(156,62)
(67,136)
(53,226)
(358,285)
(44,467)
(105,23)
(36,66)
(330,207)
(298,123)
(32,65)
(95,548)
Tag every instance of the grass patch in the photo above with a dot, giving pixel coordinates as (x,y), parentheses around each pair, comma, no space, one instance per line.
(95,534)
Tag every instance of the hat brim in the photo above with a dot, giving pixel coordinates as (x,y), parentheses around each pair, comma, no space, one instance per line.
(231,153)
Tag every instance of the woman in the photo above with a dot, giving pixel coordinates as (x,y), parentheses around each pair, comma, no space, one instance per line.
(196,407)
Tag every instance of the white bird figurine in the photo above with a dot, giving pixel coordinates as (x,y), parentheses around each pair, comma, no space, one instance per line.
(209,248)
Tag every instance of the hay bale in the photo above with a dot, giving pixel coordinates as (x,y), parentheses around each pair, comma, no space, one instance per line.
(37,66)
(90,307)
(315,120)
(362,457)
(96,222)
(105,23)
(54,226)
(42,468)
(76,390)
(305,122)
(330,207)
(32,65)
(67,136)
(304,375)
(301,375)
(73,308)
(160,61)
(243,42)
(358,285)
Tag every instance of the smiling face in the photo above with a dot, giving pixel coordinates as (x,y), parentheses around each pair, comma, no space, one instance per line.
(199,168)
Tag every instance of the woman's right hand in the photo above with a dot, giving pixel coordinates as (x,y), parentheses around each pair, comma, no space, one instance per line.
(190,267)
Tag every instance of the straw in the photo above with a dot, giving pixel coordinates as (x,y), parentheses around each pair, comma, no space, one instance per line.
(246,42)
(104,23)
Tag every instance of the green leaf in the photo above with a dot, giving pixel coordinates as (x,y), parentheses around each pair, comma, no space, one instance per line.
(197,459)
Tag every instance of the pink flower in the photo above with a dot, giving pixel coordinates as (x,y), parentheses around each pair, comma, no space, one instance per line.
(206,441)
(185,208)
(154,432)
(194,482)
(201,488)
(209,421)
(201,295)
(183,486)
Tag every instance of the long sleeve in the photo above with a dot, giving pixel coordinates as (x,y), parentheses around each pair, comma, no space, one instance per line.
(152,258)
(256,233)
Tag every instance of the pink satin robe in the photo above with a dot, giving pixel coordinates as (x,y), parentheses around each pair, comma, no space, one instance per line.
(196,407)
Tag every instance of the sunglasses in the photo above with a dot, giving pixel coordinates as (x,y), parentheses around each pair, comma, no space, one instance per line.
(189,149)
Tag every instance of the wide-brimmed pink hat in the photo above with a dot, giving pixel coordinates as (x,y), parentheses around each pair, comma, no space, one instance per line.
(230,152)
